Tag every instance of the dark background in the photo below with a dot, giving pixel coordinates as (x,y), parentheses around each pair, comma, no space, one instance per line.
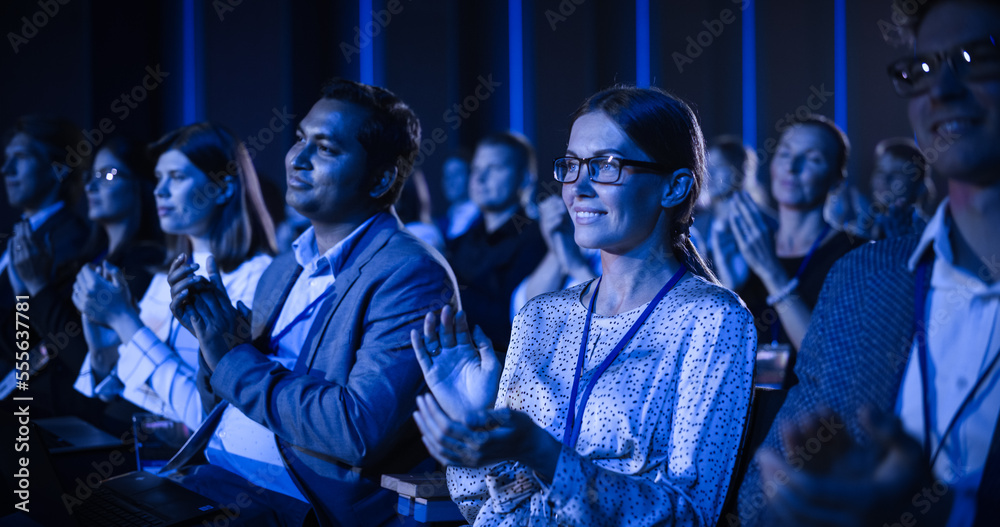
(238,64)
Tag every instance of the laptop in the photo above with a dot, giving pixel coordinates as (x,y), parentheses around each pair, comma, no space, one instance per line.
(70,434)
(136,499)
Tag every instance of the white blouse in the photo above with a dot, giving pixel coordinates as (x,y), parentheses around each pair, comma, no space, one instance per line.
(661,430)
(156,370)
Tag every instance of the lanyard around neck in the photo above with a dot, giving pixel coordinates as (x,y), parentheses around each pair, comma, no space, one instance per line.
(306,313)
(776,327)
(574,419)
(920,335)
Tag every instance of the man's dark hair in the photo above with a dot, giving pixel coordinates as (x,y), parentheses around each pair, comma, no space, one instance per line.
(520,145)
(57,136)
(915,11)
(390,133)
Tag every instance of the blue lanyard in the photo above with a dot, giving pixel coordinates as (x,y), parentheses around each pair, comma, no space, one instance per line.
(306,313)
(920,334)
(574,420)
(776,327)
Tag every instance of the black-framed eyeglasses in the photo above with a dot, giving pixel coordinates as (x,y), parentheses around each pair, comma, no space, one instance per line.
(602,169)
(105,175)
(976,60)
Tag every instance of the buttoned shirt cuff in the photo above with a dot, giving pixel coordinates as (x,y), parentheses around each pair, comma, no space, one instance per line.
(509,484)
(569,488)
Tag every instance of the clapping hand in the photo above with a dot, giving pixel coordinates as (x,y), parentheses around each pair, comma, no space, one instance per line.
(204,308)
(461,370)
(31,259)
(101,294)
(755,240)
(489,437)
(844,483)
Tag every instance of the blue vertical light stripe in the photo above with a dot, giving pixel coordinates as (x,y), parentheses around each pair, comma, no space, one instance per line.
(515,35)
(191,52)
(840,64)
(367,64)
(642,60)
(750,75)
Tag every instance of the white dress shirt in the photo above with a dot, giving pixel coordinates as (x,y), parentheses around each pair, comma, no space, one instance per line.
(963,315)
(156,370)
(241,445)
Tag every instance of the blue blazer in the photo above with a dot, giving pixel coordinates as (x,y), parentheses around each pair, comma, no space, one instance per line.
(342,417)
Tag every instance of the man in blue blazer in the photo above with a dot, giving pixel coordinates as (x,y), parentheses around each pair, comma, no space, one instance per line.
(894,419)
(316,399)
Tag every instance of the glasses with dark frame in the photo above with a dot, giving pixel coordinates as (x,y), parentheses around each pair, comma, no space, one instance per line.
(976,60)
(602,169)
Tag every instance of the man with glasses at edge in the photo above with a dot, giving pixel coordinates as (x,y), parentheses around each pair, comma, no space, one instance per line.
(894,419)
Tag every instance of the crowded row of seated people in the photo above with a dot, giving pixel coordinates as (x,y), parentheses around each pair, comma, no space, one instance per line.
(571,356)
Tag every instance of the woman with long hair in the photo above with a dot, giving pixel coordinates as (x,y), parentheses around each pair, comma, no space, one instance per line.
(210,207)
(623,399)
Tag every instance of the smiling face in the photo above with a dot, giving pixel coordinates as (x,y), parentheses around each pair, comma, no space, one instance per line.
(615,218)
(185,197)
(325,168)
(110,200)
(30,180)
(496,178)
(959,119)
(804,167)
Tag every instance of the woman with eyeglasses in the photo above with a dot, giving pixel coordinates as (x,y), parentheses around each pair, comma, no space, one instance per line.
(623,399)
(210,206)
(125,234)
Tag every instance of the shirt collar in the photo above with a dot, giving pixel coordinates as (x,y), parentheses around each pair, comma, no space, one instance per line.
(935,233)
(38,218)
(307,253)
(945,274)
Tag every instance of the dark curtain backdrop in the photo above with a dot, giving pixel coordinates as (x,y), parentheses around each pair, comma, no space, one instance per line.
(146,67)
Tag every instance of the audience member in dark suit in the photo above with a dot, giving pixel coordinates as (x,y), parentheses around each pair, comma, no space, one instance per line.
(906,332)
(504,245)
(326,381)
(46,250)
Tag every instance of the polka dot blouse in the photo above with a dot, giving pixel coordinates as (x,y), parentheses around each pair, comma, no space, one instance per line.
(662,426)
